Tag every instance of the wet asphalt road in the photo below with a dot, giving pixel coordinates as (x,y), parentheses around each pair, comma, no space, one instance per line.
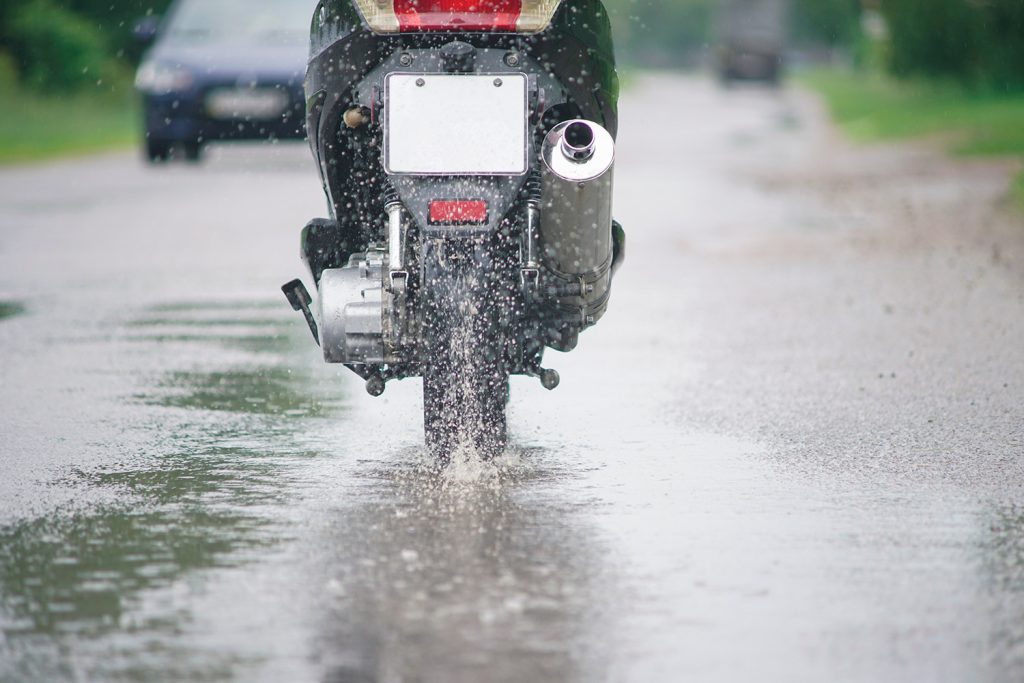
(791,452)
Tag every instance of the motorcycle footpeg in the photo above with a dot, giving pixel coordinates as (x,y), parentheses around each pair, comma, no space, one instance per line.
(299,298)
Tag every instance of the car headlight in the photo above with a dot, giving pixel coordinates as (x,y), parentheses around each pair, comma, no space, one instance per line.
(162,79)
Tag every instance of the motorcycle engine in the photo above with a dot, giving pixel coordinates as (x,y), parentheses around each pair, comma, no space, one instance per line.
(352,302)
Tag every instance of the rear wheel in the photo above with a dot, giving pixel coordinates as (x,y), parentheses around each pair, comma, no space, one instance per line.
(465,381)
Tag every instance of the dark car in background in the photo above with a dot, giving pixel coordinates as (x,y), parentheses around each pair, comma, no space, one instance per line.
(223,70)
(751,38)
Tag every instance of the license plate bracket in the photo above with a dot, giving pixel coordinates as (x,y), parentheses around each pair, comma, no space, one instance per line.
(456,124)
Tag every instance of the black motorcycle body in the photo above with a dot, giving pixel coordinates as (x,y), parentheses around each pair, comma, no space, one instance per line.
(449,255)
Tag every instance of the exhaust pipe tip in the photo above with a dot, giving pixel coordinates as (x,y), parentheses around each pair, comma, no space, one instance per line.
(578,151)
(578,141)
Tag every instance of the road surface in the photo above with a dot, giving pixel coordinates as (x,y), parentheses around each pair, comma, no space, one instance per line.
(792,451)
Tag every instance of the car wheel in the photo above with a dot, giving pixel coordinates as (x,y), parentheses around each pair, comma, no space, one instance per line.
(157,151)
(193,151)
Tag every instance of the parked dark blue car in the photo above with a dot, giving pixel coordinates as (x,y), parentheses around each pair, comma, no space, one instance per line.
(223,70)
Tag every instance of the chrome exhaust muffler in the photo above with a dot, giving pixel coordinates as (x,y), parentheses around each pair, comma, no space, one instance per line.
(576,215)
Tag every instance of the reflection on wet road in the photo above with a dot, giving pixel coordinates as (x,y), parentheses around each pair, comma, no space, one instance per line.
(186,492)
(10,308)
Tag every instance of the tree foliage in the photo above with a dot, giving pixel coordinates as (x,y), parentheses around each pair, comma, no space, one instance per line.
(832,23)
(659,32)
(975,41)
(54,48)
(668,31)
(68,44)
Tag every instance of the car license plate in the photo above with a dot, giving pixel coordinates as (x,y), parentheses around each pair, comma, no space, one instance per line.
(246,103)
(455,124)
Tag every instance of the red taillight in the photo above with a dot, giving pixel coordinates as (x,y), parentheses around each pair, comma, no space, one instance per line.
(457,15)
(520,16)
(458,212)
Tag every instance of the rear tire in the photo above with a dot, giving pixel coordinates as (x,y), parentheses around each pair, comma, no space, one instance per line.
(465,381)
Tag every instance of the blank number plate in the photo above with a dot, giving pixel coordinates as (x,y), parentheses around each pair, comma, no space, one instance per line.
(455,125)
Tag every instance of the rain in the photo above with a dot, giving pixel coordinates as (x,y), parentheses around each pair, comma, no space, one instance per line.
(625,342)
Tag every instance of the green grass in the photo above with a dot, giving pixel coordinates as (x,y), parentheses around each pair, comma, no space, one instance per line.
(1018,189)
(872,107)
(35,127)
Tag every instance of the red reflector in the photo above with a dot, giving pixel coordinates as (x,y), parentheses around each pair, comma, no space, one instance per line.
(458,212)
(457,15)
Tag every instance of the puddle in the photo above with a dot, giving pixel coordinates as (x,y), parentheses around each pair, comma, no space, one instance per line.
(80,568)
(243,367)
(267,390)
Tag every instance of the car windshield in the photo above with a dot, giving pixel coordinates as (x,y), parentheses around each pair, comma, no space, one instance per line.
(274,22)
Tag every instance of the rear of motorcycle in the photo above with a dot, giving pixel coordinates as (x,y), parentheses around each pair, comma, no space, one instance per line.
(466,151)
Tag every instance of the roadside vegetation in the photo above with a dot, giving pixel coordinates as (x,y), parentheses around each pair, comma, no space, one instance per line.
(65,76)
(681,33)
(875,107)
(951,69)
(37,125)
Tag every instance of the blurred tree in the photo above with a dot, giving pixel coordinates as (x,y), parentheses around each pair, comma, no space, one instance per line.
(975,41)
(117,19)
(66,44)
(54,48)
(669,32)
(932,37)
(829,23)
(660,33)
(1004,45)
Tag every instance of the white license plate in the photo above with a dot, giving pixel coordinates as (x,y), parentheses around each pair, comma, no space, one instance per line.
(246,103)
(455,124)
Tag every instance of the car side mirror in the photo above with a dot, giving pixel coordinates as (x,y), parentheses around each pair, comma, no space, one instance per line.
(146,29)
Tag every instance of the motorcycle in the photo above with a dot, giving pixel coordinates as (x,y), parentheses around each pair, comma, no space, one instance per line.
(466,150)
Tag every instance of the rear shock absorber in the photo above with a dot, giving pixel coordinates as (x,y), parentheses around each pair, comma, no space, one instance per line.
(534,194)
(396,225)
(397,279)
(390,194)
